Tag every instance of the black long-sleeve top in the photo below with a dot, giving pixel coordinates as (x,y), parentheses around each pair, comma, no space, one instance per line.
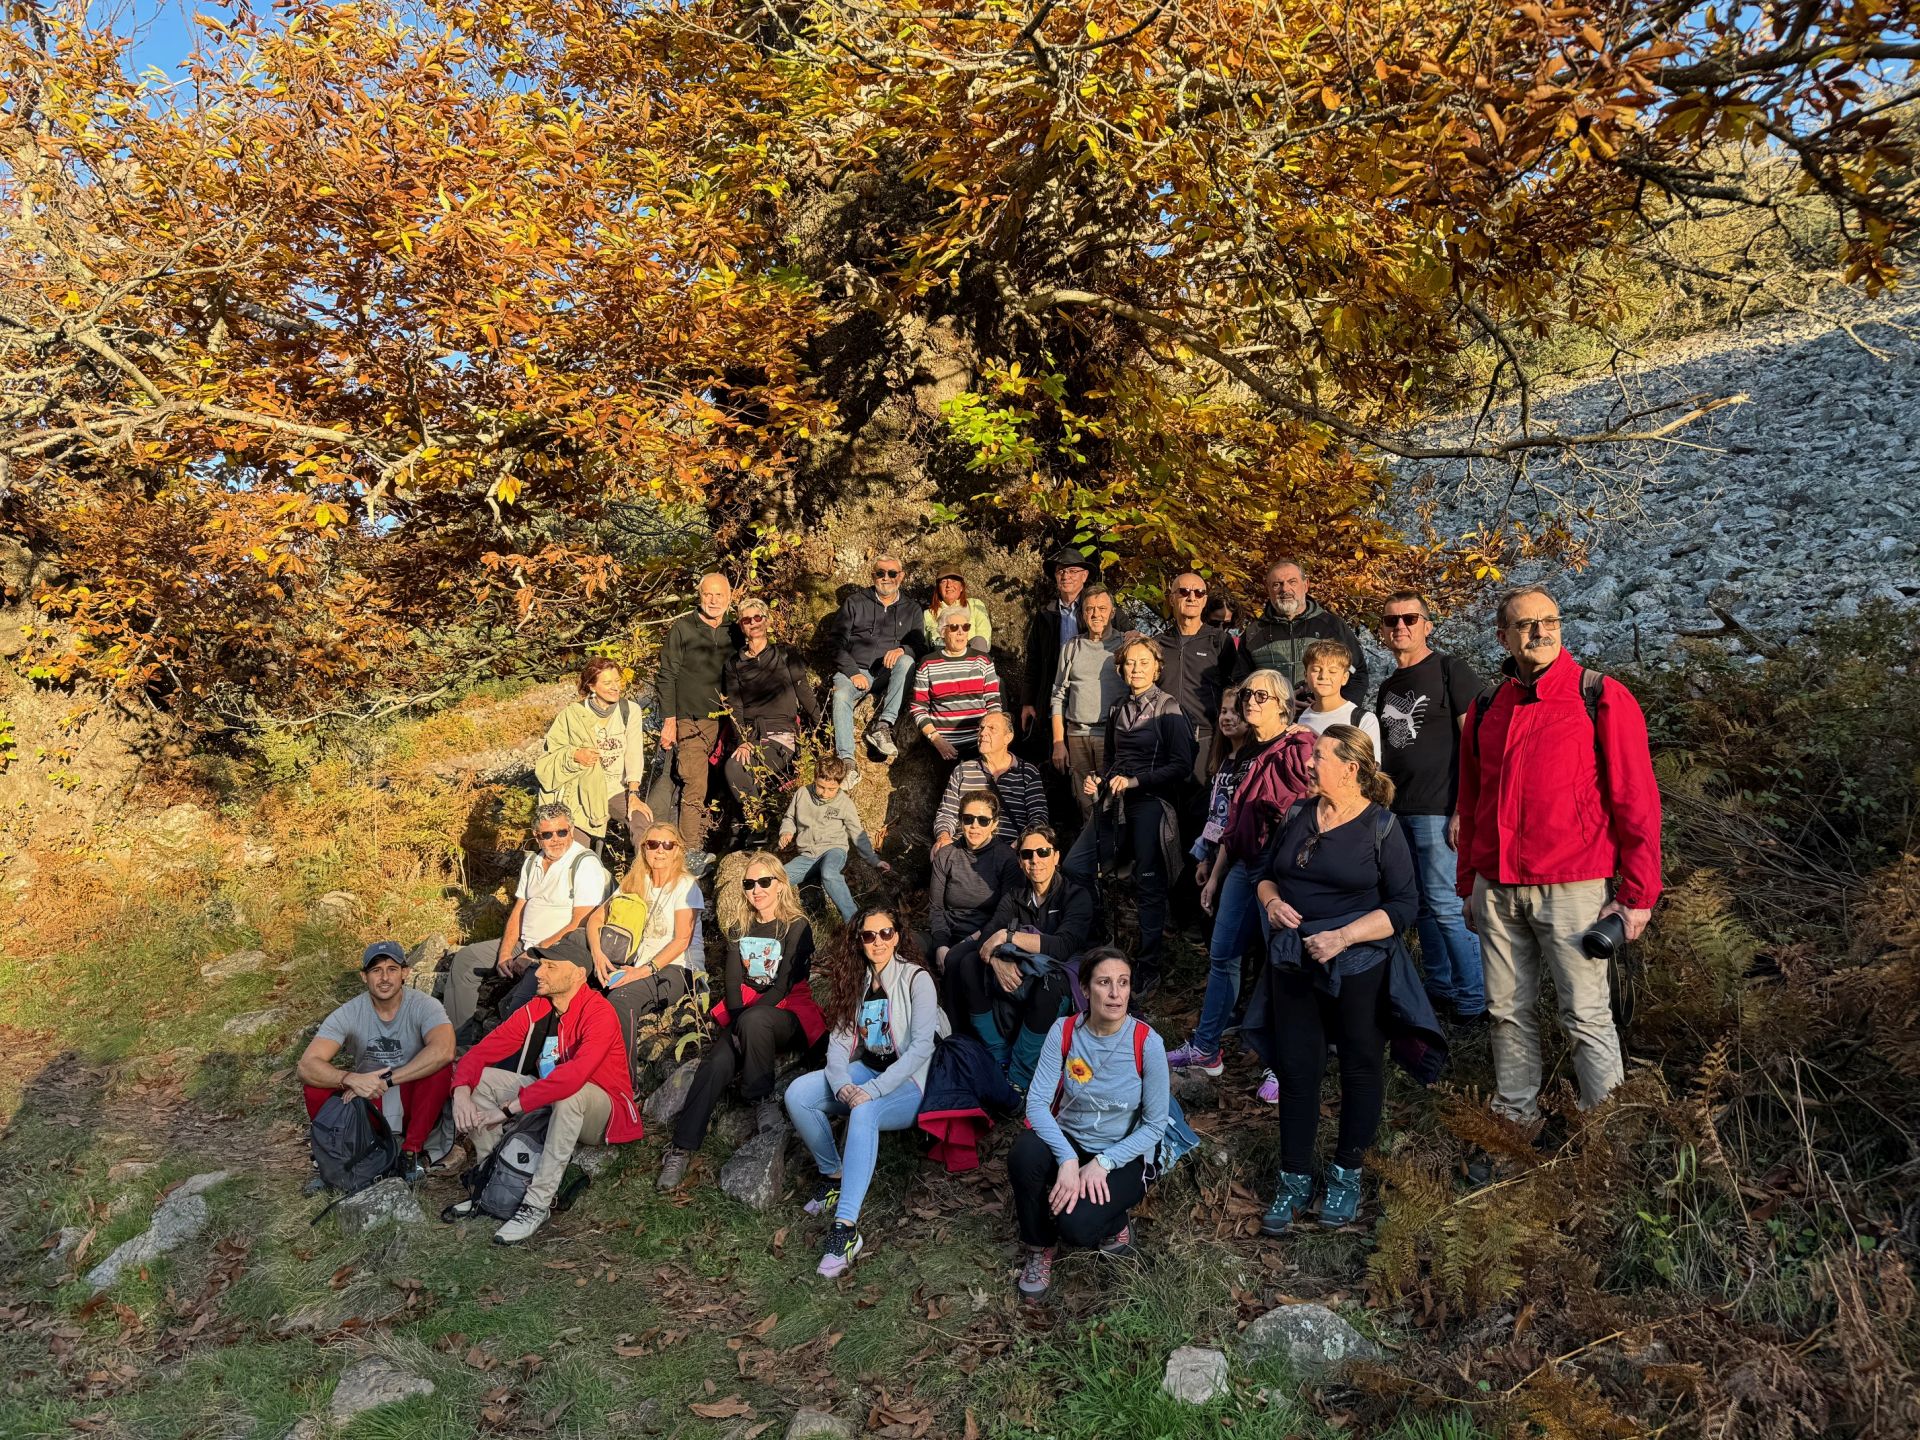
(1150,742)
(692,662)
(1349,871)
(794,962)
(768,693)
(1063,917)
(966,886)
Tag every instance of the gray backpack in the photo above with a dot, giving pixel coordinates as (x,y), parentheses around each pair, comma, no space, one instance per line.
(499,1183)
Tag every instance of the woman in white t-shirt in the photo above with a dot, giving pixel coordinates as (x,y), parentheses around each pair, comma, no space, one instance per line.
(642,938)
(1325,668)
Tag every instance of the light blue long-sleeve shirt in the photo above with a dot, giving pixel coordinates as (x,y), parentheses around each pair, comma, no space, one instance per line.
(1117,1112)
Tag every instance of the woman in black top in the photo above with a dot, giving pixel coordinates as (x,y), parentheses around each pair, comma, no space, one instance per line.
(765,1006)
(1013,976)
(969,878)
(1149,757)
(1337,887)
(768,694)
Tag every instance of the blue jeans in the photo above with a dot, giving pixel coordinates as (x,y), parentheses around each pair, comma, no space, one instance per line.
(813,1112)
(1236,910)
(1449,952)
(847,697)
(830,864)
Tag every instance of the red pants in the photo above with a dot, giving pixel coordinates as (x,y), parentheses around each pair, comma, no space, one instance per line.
(421,1100)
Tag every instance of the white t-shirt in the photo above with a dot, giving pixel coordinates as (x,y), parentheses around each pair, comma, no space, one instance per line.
(553,892)
(1345,713)
(663,906)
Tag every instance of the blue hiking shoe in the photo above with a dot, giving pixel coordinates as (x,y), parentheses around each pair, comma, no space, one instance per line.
(1341,1202)
(1289,1201)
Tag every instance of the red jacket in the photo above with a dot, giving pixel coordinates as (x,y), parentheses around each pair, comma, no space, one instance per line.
(1533,807)
(592,1050)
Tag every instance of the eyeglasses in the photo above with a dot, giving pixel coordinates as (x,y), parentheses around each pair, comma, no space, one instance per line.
(758,882)
(1546,626)
(662,844)
(886,574)
(1187,592)
(885,932)
(559,834)
(1394,622)
(1039,852)
(1307,847)
(971,820)
(1257,697)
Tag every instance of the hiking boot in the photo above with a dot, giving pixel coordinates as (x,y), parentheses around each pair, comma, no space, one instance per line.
(412,1168)
(1288,1203)
(826,1195)
(1479,1168)
(673,1167)
(1036,1275)
(880,737)
(1146,980)
(769,1114)
(1119,1244)
(1341,1200)
(843,1246)
(1269,1091)
(1191,1057)
(526,1220)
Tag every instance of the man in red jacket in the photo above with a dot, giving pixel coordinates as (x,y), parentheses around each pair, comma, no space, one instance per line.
(1553,806)
(571,1057)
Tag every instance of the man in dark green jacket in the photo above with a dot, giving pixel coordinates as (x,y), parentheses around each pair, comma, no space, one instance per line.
(1278,637)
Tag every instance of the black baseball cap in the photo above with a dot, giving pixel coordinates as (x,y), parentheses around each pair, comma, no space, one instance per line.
(382,950)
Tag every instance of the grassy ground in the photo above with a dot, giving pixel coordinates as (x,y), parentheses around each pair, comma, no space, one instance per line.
(634,1313)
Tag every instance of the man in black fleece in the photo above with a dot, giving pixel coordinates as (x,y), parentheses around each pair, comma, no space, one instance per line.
(692,662)
(1278,638)
(880,640)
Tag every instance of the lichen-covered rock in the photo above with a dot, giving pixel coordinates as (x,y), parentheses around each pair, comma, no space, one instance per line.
(388,1202)
(756,1171)
(1195,1376)
(1314,1340)
(179,1217)
(370,1383)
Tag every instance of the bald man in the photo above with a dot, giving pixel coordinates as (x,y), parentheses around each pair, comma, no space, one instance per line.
(692,663)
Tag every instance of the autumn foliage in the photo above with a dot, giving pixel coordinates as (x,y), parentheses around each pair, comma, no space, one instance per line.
(393,336)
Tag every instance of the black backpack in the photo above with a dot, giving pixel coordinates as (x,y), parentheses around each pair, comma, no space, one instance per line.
(499,1183)
(353,1146)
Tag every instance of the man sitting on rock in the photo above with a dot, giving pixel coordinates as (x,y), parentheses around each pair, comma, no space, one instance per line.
(571,1057)
(397,1045)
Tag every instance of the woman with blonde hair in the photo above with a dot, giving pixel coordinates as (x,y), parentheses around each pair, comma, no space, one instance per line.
(644,938)
(765,1006)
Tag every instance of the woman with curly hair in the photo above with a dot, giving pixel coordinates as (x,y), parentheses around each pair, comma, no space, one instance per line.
(883,1015)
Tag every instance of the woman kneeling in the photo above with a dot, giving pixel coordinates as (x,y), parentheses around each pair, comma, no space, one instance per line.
(1097,1109)
(882,1015)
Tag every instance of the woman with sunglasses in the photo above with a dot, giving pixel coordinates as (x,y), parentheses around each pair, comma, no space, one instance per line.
(969,878)
(882,1015)
(1337,886)
(646,968)
(954,689)
(768,696)
(1013,980)
(1275,774)
(766,1007)
(950,588)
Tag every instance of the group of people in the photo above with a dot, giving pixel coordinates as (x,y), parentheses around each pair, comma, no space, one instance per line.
(1241,774)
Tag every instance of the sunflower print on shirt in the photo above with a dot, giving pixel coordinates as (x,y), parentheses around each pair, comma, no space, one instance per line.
(1079,1070)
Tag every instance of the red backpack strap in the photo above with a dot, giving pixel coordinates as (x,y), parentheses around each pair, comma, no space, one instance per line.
(1140,1048)
(1066,1036)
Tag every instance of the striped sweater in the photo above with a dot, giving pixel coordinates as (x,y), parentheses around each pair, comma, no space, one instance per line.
(951,693)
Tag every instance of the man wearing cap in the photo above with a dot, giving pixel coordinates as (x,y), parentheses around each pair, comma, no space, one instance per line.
(397,1044)
(571,1058)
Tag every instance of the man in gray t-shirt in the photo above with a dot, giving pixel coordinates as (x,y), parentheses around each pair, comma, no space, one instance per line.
(397,1045)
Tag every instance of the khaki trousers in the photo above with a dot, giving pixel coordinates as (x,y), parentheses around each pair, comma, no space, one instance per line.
(582,1116)
(1523,930)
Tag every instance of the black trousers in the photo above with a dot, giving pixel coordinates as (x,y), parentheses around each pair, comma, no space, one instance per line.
(747,1050)
(634,1000)
(1032,1169)
(1303,1019)
(756,784)
(976,989)
(1140,819)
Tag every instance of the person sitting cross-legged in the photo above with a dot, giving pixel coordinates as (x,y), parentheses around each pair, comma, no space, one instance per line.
(570,1037)
(397,1046)
(882,1016)
(1097,1109)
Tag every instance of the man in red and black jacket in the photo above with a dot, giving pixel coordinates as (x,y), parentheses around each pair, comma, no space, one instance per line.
(571,1057)
(1559,825)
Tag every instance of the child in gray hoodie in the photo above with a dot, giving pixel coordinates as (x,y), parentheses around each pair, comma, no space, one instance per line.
(822,823)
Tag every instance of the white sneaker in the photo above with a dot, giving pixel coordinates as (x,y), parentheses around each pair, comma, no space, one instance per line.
(526,1220)
(853,779)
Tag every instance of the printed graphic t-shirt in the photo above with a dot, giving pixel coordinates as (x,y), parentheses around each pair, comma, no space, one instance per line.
(1420,710)
(375,1044)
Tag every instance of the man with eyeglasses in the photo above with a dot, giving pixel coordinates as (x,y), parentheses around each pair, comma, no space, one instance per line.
(1278,637)
(1423,704)
(1559,826)
(880,639)
(560,885)
(693,663)
(1197,656)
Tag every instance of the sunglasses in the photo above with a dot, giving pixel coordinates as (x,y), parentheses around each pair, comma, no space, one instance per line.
(885,932)
(886,574)
(960,629)
(1187,592)
(662,844)
(976,819)
(1257,697)
(1394,622)
(753,619)
(1039,852)
(1307,849)
(759,882)
(553,834)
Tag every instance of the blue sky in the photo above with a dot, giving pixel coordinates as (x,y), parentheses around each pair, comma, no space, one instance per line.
(163,30)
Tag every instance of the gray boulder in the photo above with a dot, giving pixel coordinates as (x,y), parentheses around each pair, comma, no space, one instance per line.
(252,1022)
(335,907)
(70,1236)
(180,1217)
(819,1425)
(370,1383)
(388,1202)
(1195,1376)
(757,1171)
(427,965)
(665,1104)
(1315,1341)
(1194,1090)
(240,962)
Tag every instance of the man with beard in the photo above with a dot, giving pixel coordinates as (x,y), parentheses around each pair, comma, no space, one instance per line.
(1277,639)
